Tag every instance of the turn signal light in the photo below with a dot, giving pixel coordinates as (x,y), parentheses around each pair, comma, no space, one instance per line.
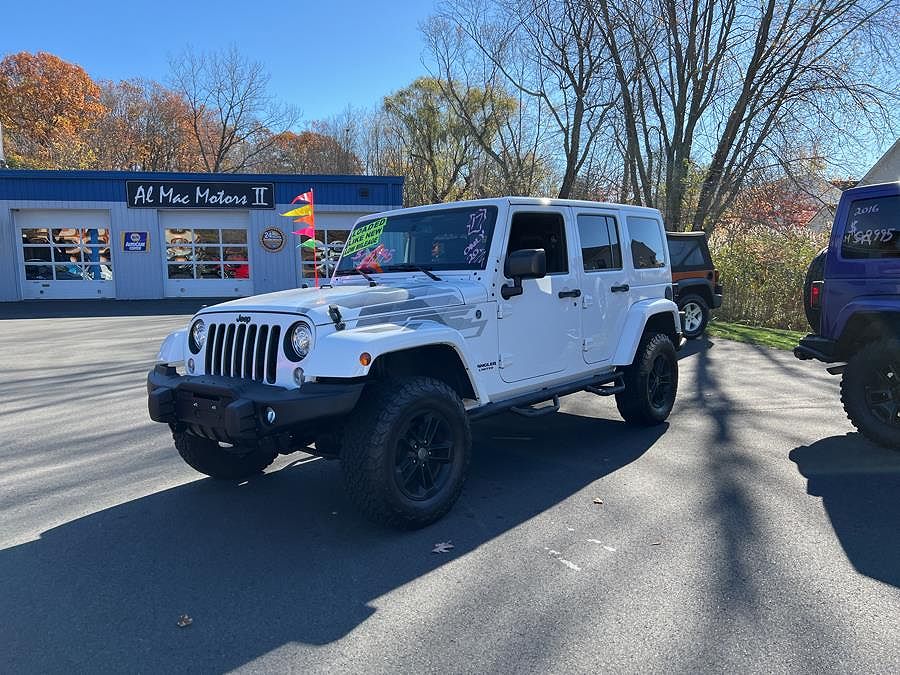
(365,358)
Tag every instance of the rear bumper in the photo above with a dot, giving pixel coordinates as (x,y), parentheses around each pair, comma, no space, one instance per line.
(232,410)
(717,297)
(816,347)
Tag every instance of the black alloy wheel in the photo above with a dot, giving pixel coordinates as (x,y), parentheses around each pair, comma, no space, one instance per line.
(660,382)
(883,393)
(423,455)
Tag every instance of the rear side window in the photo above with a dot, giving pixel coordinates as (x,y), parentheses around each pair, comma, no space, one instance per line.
(647,250)
(872,229)
(600,248)
(688,253)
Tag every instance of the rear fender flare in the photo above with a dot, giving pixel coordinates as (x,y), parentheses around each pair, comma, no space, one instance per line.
(635,322)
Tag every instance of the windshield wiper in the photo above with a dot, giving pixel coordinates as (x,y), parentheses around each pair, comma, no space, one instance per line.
(410,267)
(359,271)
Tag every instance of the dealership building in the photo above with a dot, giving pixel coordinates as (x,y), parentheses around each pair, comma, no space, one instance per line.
(124,235)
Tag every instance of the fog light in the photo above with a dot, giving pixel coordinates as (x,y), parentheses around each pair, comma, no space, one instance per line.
(191,365)
(270,416)
(298,376)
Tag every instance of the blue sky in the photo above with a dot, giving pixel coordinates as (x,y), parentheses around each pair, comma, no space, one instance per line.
(321,55)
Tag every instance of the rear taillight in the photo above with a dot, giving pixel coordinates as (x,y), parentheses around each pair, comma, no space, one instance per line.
(815,294)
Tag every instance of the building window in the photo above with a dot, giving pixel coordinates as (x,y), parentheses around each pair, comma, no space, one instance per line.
(207,253)
(329,244)
(66,254)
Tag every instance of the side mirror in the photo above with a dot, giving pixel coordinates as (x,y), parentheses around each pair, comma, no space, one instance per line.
(526,263)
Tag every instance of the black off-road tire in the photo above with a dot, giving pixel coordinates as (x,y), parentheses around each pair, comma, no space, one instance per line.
(210,458)
(815,272)
(870,392)
(695,303)
(643,402)
(376,451)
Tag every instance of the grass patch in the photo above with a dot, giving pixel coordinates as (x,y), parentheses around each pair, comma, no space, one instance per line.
(755,335)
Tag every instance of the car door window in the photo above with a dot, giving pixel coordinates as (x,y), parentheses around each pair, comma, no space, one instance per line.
(541,230)
(647,249)
(600,248)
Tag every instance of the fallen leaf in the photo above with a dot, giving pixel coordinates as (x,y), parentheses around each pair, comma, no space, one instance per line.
(597,500)
(184,620)
(442,547)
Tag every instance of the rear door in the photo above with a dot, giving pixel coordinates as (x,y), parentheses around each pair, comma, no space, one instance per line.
(604,283)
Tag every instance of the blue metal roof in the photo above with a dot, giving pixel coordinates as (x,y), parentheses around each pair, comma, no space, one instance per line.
(109,186)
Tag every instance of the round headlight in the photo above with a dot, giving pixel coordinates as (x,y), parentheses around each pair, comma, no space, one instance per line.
(300,337)
(198,336)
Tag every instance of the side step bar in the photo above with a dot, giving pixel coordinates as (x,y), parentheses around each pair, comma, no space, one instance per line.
(603,385)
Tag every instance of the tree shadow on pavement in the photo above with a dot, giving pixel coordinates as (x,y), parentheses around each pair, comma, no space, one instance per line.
(278,559)
(859,484)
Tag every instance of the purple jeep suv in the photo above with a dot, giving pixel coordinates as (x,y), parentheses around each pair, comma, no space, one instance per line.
(852,298)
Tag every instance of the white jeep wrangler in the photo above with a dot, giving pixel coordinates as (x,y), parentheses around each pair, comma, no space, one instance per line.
(435,316)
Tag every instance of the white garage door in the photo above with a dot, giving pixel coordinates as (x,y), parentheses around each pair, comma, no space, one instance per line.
(206,253)
(64,254)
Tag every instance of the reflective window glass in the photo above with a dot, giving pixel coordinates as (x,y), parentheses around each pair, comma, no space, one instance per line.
(600,248)
(647,248)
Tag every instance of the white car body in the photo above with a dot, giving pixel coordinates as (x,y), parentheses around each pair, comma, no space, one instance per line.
(508,347)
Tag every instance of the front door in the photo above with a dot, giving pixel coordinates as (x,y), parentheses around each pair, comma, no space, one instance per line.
(64,254)
(606,293)
(539,330)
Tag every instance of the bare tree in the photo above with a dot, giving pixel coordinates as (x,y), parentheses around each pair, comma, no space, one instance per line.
(729,84)
(509,128)
(551,51)
(234,118)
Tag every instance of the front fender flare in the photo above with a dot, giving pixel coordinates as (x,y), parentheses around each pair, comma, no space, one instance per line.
(635,321)
(171,351)
(341,349)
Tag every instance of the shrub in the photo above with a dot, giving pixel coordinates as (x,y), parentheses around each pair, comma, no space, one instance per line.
(762,271)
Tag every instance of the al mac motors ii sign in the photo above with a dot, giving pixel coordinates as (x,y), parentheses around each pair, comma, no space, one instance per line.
(163,194)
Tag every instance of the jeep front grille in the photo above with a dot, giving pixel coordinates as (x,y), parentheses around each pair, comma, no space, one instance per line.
(245,350)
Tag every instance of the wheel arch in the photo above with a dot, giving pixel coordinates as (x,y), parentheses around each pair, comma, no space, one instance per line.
(441,361)
(863,327)
(658,315)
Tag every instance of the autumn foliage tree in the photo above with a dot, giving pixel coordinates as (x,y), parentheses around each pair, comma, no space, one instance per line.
(308,152)
(145,127)
(46,104)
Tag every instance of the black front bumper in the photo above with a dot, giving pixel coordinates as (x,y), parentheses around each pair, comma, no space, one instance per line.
(231,410)
(817,347)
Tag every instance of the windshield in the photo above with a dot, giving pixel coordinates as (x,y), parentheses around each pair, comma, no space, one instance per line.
(444,239)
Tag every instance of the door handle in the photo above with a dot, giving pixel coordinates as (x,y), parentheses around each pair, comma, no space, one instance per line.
(576,293)
(620,289)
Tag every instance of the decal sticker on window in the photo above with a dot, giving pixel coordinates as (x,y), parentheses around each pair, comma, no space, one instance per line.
(476,250)
(365,236)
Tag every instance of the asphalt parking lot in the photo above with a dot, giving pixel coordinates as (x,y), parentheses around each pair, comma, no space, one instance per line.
(754,532)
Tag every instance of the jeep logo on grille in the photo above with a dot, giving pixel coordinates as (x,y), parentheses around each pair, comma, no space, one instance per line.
(243,319)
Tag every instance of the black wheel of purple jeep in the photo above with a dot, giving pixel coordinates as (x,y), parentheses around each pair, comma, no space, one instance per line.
(870,392)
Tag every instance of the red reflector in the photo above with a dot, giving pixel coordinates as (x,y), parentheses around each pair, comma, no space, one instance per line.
(815,294)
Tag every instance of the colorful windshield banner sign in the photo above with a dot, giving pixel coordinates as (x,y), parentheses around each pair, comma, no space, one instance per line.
(365,236)
(156,194)
(135,242)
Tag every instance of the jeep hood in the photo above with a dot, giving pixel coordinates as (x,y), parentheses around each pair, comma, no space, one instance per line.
(359,301)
